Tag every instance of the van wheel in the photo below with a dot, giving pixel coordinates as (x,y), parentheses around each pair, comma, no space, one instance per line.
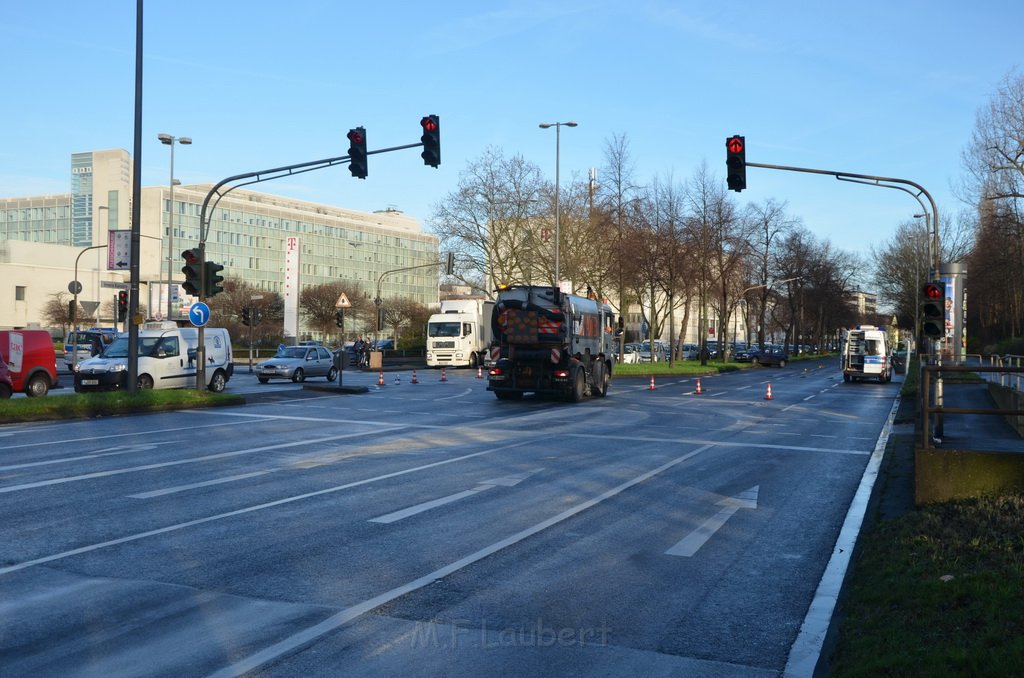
(332,374)
(145,382)
(39,385)
(218,382)
(299,376)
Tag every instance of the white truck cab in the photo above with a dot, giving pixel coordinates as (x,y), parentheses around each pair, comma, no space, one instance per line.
(167,359)
(866,354)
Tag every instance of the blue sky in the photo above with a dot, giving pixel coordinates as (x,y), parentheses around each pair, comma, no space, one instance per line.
(880,88)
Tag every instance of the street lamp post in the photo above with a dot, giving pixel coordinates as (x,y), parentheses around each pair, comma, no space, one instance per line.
(558,225)
(169,140)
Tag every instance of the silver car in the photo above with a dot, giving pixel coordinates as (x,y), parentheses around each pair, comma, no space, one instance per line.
(297,363)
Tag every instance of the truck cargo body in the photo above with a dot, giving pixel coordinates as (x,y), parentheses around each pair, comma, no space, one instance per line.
(460,335)
(550,343)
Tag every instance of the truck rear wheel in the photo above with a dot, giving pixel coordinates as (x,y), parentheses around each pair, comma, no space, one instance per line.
(578,387)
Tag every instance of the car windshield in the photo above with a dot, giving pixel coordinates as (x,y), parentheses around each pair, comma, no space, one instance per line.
(444,329)
(297,352)
(119,347)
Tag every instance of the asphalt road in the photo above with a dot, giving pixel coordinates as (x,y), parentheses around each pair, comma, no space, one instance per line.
(428,529)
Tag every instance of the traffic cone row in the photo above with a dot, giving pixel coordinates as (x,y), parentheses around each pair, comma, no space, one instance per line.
(768,393)
(414,379)
(698,390)
(479,372)
(444,375)
(380,379)
(651,387)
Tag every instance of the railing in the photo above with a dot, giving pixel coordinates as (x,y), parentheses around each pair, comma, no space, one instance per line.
(927,409)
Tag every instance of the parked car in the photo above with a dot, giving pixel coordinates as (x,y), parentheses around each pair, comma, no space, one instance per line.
(630,356)
(6,387)
(85,344)
(648,355)
(746,354)
(297,363)
(772,355)
(31,361)
(690,352)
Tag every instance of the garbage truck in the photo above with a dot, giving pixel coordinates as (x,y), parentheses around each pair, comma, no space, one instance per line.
(550,343)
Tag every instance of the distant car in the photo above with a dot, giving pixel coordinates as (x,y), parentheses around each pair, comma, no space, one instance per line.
(297,363)
(690,352)
(630,355)
(384,345)
(772,355)
(647,355)
(746,355)
(86,344)
(6,387)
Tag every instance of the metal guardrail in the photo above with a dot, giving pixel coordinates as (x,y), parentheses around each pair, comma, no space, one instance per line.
(928,409)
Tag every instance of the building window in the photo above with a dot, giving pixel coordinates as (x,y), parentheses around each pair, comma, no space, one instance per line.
(19,293)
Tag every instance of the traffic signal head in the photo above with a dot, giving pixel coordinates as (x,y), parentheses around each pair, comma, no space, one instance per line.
(933,309)
(736,162)
(213,280)
(339,317)
(246,320)
(431,139)
(357,152)
(122,305)
(192,270)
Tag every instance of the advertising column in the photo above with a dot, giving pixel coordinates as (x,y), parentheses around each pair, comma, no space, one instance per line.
(953,344)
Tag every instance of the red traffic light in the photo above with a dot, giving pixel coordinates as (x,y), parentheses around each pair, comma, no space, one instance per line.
(734,144)
(356,137)
(429,123)
(932,291)
(122,298)
(191,256)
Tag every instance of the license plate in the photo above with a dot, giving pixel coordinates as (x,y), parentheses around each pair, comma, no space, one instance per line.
(90,382)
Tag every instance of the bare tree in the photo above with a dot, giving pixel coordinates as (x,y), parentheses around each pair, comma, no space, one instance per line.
(491,220)
(769,224)
(55,312)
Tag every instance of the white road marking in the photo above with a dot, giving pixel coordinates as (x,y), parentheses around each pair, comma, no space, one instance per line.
(692,542)
(242,511)
(345,616)
(507,481)
(191,460)
(207,483)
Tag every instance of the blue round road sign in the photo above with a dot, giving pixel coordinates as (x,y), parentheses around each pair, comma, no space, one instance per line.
(199,314)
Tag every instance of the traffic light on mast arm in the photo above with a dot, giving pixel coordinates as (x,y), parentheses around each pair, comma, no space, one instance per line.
(431,139)
(933,309)
(122,305)
(214,280)
(192,270)
(246,320)
(357,152)
(736,162)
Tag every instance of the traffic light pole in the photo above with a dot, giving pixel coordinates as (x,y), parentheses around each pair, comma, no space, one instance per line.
(935,256)
(215,194)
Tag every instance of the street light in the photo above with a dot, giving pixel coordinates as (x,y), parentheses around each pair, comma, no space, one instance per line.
(169,140)
(558,225)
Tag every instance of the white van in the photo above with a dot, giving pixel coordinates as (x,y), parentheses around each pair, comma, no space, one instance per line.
(865,354)
(167,359)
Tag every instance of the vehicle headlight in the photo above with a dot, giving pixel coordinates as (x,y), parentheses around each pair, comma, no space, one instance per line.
(118,367)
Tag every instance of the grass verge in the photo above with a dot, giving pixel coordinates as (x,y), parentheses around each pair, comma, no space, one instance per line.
(938,591)
(85,405)
(693,367)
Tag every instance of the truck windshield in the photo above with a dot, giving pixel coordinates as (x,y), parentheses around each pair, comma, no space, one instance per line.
(447,329)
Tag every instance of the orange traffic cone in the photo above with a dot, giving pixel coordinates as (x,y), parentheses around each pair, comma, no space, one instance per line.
(380,379)
(414,379)
(698,390)
(479,372)
(768,393)
(444,375)
(651,387)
